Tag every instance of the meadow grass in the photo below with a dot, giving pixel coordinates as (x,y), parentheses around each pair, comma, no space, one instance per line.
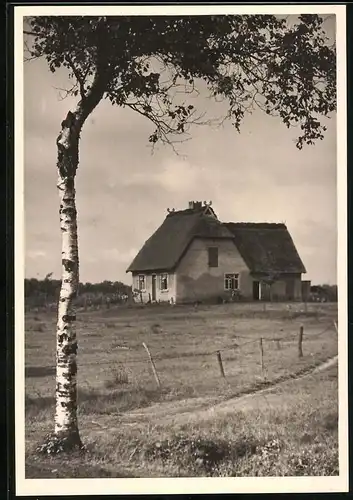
(115,381)
(291,431)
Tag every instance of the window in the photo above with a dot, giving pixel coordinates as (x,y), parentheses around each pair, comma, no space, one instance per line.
(213,257)
(141,282)
(231,281)
(163,282)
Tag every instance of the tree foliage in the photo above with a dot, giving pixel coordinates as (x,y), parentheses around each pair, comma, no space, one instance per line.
(146,63)
(49,289)
(324,293)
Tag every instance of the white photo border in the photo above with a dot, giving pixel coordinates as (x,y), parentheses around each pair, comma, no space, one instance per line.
(100,486)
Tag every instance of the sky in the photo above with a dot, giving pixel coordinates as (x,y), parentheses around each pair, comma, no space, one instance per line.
(124,191)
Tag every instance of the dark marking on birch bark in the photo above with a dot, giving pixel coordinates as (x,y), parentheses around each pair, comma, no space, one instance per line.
(69,405)
(68,377)
(69,265)
(70,211)
(68,157)
(68,122)
(73,365)
(64,391)
(69,318)
(71,349)
(62,338)
(70,183)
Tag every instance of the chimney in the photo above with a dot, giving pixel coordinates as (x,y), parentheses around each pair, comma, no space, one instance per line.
(195,205)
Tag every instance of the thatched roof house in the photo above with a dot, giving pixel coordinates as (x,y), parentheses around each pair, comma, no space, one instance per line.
(266,248)
(194,256)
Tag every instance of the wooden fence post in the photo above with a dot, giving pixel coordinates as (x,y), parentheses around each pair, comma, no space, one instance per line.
(300,342)
(219,357)
(153,365)
(262,355)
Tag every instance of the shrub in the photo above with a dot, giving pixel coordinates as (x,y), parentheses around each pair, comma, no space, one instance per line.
(201,455)
(194,454)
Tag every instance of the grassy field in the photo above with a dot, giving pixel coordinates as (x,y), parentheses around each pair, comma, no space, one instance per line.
(133,428)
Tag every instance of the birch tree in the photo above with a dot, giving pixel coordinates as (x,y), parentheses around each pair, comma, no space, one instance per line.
(145,63)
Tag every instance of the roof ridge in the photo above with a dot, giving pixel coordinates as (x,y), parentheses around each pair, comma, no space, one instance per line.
(256,225)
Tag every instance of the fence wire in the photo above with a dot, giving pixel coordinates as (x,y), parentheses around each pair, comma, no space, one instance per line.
(233,346)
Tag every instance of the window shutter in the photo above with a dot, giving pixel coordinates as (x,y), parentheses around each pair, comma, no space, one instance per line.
(213,257)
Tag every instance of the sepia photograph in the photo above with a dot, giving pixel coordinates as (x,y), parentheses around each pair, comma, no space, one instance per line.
(181,317)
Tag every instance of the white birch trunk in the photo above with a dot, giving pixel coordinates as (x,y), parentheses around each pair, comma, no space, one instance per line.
(66,342)
(66,434)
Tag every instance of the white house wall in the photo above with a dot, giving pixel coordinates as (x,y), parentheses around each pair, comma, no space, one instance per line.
(161,295)
(197,281)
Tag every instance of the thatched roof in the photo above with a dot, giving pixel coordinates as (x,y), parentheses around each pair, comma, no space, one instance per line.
(164,249)
(264,247)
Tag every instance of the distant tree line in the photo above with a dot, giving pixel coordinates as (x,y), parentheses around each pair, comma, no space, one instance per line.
(45,293)
(324,293)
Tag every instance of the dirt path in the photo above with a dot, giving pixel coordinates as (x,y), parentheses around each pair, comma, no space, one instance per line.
(327,364)
(200,409)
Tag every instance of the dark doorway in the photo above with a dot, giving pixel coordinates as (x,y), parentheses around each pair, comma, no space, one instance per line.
(154,279)
(290,287)
(256,290)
